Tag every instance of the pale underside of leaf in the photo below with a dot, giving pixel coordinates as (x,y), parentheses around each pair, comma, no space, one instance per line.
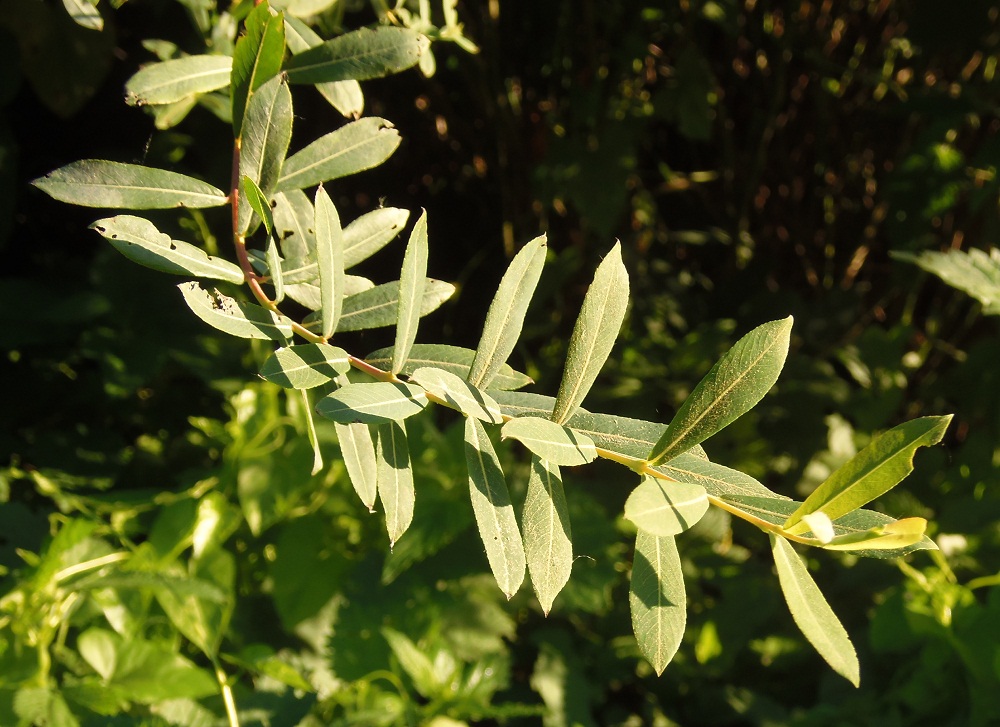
(358,452)
(548,536)
(665,508)
(373,403)
(460,394)
(376,308)
(552,442)
(359,55)
(305,366)
(657,598)
(329,260)
(267,131)
(172,80)
(244,320)
(453,359)
(412,279)
(395,479)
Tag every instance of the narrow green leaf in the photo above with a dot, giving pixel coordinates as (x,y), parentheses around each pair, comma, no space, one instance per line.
(395,478)
(99,183)
(371,232)
(665,508)
(372,403)
(311,432)
(345,96)
(84,13)
(975,272)
(548,537)
(330,259)
(873,471)
(267,131)
(256,59)
(173,80)
(358,451)
(594,334)
(358,55)
(411,293)
(734,385)
(308,294)
(812,614)
(552,442)
(493,510)
(718,480)
(453,359)
(138,240)
(305,366)
(458,393)
(376,308)
(657,598)
(893,536)
(293,224)
(244,320)
(352,148)
(274,268)
(258,203)
(506,315)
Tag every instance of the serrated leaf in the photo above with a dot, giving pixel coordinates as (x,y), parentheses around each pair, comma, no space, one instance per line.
(873,471)
(412,279)
(305,365)
(594,334)
(453,359)
(376,308)
(552,442)
(506,314)
(244,320)
(345,96)
(84,13)
(734,385)
(657,599)
(100,183)
(267,131)
(169,81)
(138,239)
(665,508)
(812,614)
(395,478)
(358,451)
(548,536)
(330,261)
(459,393)
(372,403)
(359,55)
(493,510)
(352,148)
(974,272)
(257,58)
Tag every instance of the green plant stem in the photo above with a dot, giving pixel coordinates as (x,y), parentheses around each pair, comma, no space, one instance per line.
(227,694)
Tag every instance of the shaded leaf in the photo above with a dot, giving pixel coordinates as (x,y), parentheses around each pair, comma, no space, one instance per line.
(257,58)
(411,292)
(372,403)
(548,536)
(395,478)
(377,307)
(169,81)
(267,131)
(657,599)
(358,451)
(244,320)
(330,261)
(293,226)
(458,393)
(414,662)
(665,508)
(552,442)
(307,294)
(358,55)
(305,365)
(975,272)
(345,96)
(449,358)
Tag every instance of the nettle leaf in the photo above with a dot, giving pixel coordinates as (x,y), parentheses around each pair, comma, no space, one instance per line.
(412,279)
(506,315)
(99,183)
(330,261)
(358,451)
(139,240)
(395,478)
(267,131)
(345,96)
(376,308)
(657,598)
(306,365)
(548,536)
(734,385)
(359,55)
(552,442)
(594,334)
(256,59)
(494,512)
(373,403)
(872,472)
(352,148)
(974,272)
(665,508)
(812,614)
(169,81)
(244,320)
(460,394)
(453,359)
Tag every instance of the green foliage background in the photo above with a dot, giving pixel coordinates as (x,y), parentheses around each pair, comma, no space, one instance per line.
(756,160)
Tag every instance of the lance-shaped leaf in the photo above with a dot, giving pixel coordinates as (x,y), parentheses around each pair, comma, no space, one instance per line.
(718,480)
(305,366)
(493,510)
(975,272)
(84,13)
(411,293)
(872,472)
(657,598)
(358,55)
(395,478)
(892,536)
(258,203)
(548,537)
(812,614)
(256,58)
(293,226)
(267,130)
(273,258)
(173,80)
(427,679)
(308,293)
(352,148)
(345,96)
(458,393)
(373,403)
(506,315)
(453,359)
(734,385)
(330,259)
(311,432)
(552,442)
(358,451)
(371,232)
(99,183)
(139,240)
(236,318)
(376,308)
(665,508)
(594,334)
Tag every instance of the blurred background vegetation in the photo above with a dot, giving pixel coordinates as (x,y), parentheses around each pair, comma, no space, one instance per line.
(756,159)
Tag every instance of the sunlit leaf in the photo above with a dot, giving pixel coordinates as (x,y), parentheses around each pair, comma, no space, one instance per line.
(372,403)
(812,614)
(458,393)
(258,203)
(665,508)
(552,442)
(717,479)
(169,81)
(449,358)
(256,59)
(305,365)
(234,317)
(412,279)
(273,258)
(892,536)
(330,261)
(311,432)
(85,13)
(395,478)
(414,662)
(548,537)
(377,307)
(972,271)
(358,451)
(657,598)
(293,226)
(358,55)
(267,130)
(345,96)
